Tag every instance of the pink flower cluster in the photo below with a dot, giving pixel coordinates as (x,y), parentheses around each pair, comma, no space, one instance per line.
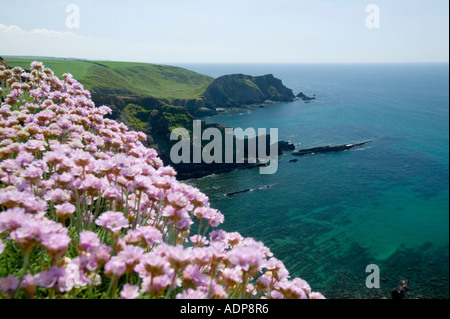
(84,190)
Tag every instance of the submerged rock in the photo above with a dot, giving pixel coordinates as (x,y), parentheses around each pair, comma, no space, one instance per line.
(400,291)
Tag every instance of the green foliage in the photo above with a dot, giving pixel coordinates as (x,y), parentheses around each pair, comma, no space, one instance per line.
(177,117)
(137,116)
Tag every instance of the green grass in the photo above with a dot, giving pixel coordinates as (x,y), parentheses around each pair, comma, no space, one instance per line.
(126,78)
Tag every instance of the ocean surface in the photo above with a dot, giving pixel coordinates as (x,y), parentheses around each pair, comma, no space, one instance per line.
(328,216)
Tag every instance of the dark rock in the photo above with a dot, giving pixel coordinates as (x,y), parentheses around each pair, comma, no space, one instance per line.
(400,291)
(293,161)
(328,149)
(284,147)
(239,192)
(237,90)
(305,98)
(204,111)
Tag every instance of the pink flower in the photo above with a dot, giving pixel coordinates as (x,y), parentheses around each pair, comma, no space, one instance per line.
(64,211)
(316,295)
(302,284)
(151,235)
(12,219)
(11,198)
(57,244)
(250,259)
(191,294)
(131,255)
(177,200)
(129,292)
(289,290)
(9,284)
(29,284)
(193,276)
(89,240)
(264,282)
(57,196)
(116,267)
(277,268)
(28,234)
(51,278)
(160,284)
(152,264)
(113,221)
(178,257)
(35,65)
(82,159)
(231,277)
(199,240)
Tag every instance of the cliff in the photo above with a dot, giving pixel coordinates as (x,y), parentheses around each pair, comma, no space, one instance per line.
(238,90)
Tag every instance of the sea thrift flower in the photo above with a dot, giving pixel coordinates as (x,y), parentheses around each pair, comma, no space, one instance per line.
(199,240)
(249,259)
(231,277)
(152,264)
(29,284)
(51,278)
(113,221)
(116,267)
(316,295)
(191,294)
(56,244)
(131,255)
(129,292)
(64,211)
(193,276)
(89,240)
(150,235)
(9,284)
(156,286)
(289,290)
(35,65)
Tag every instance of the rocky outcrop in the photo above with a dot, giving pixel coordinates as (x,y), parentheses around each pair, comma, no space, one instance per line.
(328,149)
(304,97)
(193,170)
(238,90)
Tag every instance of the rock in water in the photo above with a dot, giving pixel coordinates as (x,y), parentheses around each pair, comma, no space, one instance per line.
(328,149)
(400,291)
(305,98)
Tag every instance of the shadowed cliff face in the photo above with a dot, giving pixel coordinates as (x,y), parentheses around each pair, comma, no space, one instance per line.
(239,90)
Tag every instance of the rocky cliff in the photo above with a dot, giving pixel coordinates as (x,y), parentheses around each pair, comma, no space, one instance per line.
(238,90)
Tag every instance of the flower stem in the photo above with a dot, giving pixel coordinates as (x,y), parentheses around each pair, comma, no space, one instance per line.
(26,261)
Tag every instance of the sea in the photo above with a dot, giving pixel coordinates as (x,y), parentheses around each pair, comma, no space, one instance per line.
(332,217)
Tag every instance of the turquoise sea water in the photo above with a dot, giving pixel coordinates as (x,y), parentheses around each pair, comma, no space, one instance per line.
(330,215)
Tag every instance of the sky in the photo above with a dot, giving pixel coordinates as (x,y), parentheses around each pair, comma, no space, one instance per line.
(232,31)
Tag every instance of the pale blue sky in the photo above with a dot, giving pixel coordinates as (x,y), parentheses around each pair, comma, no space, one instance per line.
(175,31)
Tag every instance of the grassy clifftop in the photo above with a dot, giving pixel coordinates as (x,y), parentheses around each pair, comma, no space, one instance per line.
(126,78)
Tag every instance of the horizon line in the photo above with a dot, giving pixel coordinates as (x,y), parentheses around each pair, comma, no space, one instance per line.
(222,62)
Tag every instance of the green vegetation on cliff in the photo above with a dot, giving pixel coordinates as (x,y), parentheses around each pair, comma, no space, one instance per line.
(127,78)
